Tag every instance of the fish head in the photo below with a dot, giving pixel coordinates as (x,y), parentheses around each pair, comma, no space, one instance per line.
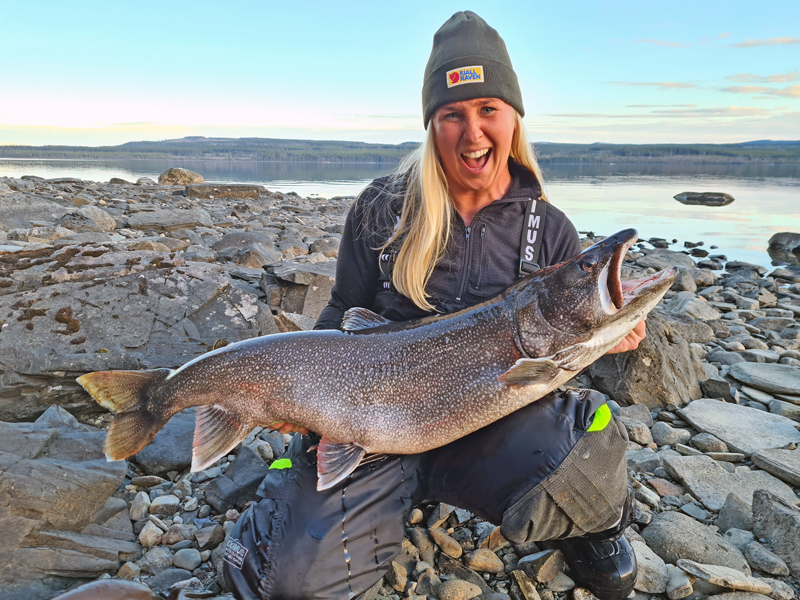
(583,301)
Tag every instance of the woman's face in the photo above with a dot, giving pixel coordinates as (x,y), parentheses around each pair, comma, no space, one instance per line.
(473,138)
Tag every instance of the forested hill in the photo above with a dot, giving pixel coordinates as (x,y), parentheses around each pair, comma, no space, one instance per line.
(269,149)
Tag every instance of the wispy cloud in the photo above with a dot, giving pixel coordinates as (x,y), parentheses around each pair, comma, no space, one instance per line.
(659,105)
(724,34)
(659,84)
(677,113)
(661,43)
(750,78)
(776,41)
(792,91)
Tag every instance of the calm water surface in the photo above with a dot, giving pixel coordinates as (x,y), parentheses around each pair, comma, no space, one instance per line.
(598,198)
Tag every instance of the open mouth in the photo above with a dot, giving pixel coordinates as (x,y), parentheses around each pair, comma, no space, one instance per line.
(615,293)
(476,160)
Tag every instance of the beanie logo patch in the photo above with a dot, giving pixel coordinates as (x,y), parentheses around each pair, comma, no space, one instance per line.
(473,74)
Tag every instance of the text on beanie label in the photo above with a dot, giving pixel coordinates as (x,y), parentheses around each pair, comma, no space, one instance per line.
(462,75)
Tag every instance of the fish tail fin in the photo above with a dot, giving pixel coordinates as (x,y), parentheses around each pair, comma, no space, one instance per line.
(217,431)
(125,394)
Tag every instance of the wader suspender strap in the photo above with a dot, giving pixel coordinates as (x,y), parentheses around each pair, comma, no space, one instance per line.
(531,242)
(387,266)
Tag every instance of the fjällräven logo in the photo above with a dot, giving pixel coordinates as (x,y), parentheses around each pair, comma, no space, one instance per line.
(462,75)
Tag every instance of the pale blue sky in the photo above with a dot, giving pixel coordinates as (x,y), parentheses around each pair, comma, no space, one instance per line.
(109,72)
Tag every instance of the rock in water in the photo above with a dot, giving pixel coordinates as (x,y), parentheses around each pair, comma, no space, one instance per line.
(178,176)
(703,198)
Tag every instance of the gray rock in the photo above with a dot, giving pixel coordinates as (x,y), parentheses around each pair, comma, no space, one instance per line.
(780,590)
(662,371)
(25,208)
(738,596)
(440,514)
(764,561)
(710,483)
(639,434)
(705,442)
(424,544)
(188,559)
(739,538)
(778,521)
(328,246)
(724,577)
(694,308)
(167,578)
(171,449)
(771,378)
(169,219)
(780,462)
(636,413)
(743,429)
(704,198)
(785,409)
(673,536)
(645,460)
(679,584)
(663,435)
(652,576)
(561,583)
(224,190)
(165,505)
(140,506)
(659,258)
(304,288)
(694,511)
(543,566)
(179,176)
(156,560)
(239,483)
(736,513)
(209,537)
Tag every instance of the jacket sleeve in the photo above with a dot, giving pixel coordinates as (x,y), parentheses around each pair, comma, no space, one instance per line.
(357,270)
(561,241)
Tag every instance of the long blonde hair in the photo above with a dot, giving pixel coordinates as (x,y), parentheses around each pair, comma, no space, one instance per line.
(424,227)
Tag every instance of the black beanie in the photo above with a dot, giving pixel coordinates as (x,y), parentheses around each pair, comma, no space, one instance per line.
(469,60)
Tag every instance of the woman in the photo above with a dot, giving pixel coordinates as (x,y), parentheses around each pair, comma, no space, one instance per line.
(442,234)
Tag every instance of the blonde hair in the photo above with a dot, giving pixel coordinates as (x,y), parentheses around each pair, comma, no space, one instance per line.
(424,227)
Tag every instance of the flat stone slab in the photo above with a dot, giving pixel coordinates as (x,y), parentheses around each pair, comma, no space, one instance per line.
(725,577)
(224,190)
(770,377)
(742,428)
(784,464)
(707,481)
(169,219)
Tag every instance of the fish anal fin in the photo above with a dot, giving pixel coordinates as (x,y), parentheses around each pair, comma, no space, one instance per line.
(335,461)
(217,431)
(126,394)
(362,318)
(530,370)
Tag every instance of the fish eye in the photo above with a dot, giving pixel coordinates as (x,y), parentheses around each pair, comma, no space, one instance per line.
(587,263)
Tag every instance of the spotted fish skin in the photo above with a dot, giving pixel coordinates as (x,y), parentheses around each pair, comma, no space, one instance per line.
(395,388)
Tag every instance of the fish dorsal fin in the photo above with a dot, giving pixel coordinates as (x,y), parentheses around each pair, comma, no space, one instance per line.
(335,461)
(217,430)
(362,318)
(530,370)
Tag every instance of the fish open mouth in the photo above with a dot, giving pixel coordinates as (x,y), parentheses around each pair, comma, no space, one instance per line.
(616,293)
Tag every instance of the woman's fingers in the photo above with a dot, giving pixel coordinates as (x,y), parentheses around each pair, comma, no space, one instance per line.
(631,341)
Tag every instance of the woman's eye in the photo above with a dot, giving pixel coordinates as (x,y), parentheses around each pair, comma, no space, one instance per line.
(489,110)
(451,115)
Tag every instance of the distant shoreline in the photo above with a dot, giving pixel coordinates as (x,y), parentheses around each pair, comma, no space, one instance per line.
(268,150)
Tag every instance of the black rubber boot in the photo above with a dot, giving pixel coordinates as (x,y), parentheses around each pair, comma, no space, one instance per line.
(603,563)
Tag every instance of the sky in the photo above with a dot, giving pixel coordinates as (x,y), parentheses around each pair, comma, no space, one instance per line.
(104,73)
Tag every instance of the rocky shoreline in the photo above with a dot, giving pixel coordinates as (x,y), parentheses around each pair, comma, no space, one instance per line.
(120,275)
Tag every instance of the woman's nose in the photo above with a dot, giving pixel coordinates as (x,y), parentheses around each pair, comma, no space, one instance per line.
(474,131)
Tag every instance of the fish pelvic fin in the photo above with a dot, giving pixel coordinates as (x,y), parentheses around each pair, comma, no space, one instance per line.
(217,431)
(335,461)
(362,318)
(125,393)
(530,370)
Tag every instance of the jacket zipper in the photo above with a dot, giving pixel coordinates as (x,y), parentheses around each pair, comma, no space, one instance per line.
(480,259)
(465,270)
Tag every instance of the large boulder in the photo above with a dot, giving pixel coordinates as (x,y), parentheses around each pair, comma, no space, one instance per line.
(76,309)
(179,176)
(662,371)
(58,521)
(779,522)
(673,535)
(300,288)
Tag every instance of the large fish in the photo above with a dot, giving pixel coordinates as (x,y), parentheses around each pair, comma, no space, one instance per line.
(392,388)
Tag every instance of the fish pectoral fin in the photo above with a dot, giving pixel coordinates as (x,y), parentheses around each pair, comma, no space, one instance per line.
(362,318)
(335,461)
(530,370)
(569,358)
(217,430)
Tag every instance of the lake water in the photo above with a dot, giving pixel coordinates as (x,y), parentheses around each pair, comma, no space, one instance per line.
(599,198)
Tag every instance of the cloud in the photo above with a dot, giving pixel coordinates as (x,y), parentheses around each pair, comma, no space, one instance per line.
(658,105)
(750,78)
(724,34)
(677,113)
(792,91)
(776,41)
(660,84)
(661,43)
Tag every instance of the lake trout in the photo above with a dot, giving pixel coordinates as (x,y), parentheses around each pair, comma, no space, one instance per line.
(392,388)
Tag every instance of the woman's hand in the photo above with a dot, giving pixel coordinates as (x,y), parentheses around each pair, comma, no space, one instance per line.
(631,341)
(286,427)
